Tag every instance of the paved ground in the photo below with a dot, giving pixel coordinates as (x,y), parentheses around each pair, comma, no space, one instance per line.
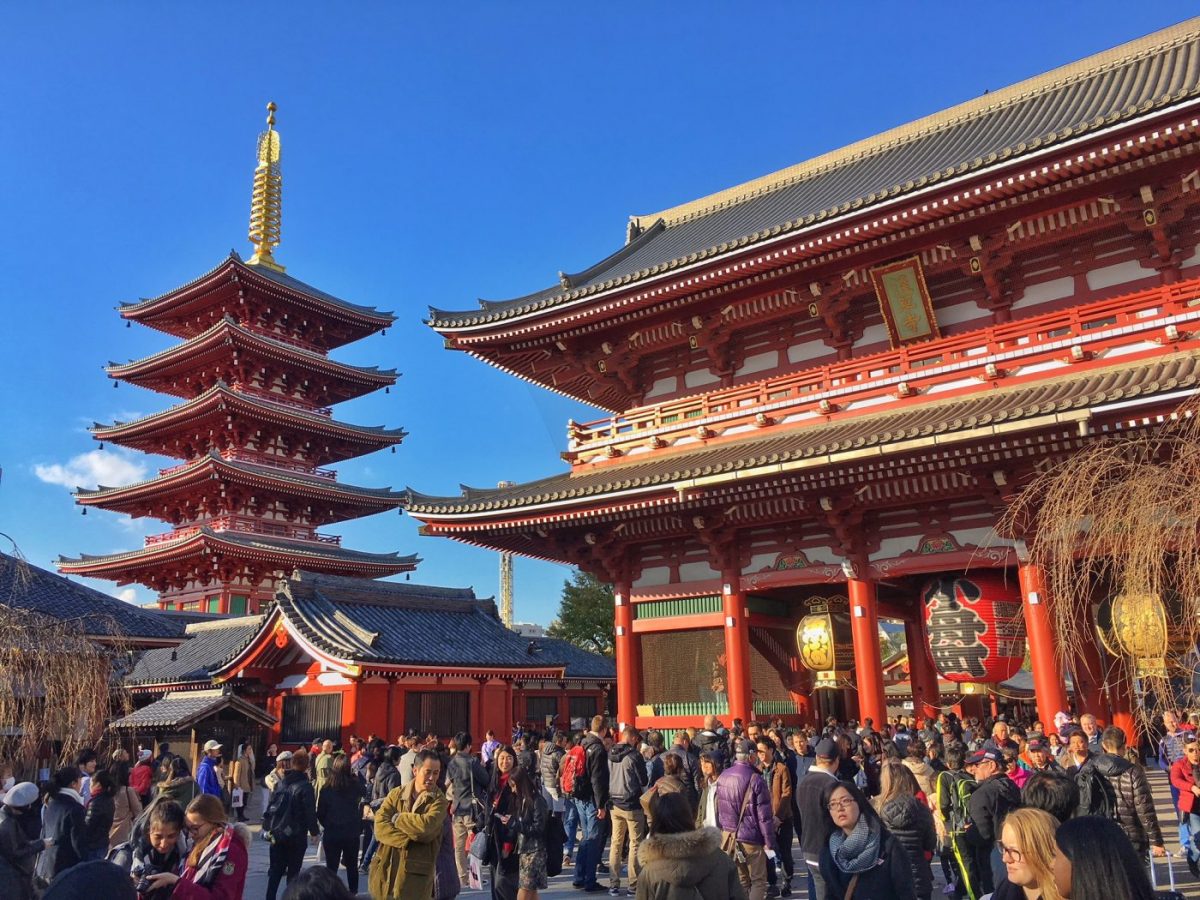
(560,887)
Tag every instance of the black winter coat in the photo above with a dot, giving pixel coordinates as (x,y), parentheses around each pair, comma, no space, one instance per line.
(468,779)
(18,853)
(387,779)
(890,880)
(994,799)
(340,812)
(911,823)
(63,821)
(303,803)
(98,819)
(595,763)
(626,777)
(812,805)
(1135,803)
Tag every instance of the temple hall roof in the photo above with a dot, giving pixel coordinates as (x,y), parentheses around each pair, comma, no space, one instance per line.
(207,647)
(1135,80)
(180,710)
(856,436)
(25,586)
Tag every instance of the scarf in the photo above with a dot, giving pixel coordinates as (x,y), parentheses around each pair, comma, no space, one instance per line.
(74,795)
(212,859)
(858,851)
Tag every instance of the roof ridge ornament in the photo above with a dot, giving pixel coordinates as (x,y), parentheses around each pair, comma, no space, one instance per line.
(266,198)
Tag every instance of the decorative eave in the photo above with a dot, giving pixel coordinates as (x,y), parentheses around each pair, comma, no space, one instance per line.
(205,543)
(158,312)
(1149,79)
(222,399)
(213,466)
(227,336)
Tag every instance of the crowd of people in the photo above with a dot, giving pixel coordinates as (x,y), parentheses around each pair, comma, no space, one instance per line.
(847,811)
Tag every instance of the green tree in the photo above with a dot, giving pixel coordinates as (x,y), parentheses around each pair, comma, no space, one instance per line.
(585,616)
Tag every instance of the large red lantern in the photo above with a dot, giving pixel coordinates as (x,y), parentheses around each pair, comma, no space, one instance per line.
(976,627)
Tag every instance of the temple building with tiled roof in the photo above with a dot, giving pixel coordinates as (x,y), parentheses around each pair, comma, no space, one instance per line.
(335,656)
(825,387)
(253,430)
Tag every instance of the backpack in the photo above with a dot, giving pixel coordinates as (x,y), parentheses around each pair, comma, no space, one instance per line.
(281,817)
(957,788)
(1096,795)
(569,771)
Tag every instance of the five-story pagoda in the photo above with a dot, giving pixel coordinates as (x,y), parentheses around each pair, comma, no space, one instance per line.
(255,430)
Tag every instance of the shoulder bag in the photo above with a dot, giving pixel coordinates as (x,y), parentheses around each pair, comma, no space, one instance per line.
(729,841)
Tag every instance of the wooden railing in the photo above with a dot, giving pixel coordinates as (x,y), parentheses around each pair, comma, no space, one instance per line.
(1069,334)
(262,459)
(281,400)
(247,525)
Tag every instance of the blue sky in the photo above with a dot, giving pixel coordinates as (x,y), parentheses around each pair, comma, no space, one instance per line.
(432,155)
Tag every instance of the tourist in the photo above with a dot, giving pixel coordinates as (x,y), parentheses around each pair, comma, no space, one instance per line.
(141,777)
(490,746)
(1091,732)
(215,868)
(272,780)
(909,820)
(682,747)
(1170,752)
(951,806)
(709,740)
(744,811)
(991,801)
(526,826)
(812,800)
(410,828)
(1185,784)
(1134,800)
(207,776)
(340,814)
(1040,756)
(1027,848)
(503,861)
(1094,860)
(1052,790)
(916,763)
(101,811)
(179,784)
(156,845)
(290,816)
(97,878)
(591,804)
(322,766)
(242,778)
(18,848)
(778,776)
(86,760)
(317,883)
(626,783)
(861,857)
(710,771)
(671,782)
(468,782)
(678,861)
(63,825)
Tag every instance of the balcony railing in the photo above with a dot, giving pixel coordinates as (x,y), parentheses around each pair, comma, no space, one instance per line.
(247,525)
(262,459)
(281,400)
(1070,335)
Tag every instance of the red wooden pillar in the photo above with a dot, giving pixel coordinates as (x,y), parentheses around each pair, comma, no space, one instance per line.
(737,649)
(921,673)
(629,657)
(1048,685)
(1120,696)
(350,701)
(1088,677)
(868,664)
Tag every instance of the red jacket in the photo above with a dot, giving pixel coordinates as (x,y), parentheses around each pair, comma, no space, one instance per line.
(141,778)
(1183,780)
(230,882)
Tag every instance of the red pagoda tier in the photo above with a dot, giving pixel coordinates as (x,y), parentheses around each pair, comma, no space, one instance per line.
(253,430)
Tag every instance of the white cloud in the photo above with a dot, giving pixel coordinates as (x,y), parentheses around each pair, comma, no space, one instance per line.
(91,469)
(127,594)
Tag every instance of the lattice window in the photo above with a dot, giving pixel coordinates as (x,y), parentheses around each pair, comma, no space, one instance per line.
(311,717)
(444,713)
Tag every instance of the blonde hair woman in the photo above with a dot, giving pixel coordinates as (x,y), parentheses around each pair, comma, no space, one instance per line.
(1027,848)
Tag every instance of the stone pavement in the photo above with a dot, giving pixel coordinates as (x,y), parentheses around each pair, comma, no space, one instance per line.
(560,887)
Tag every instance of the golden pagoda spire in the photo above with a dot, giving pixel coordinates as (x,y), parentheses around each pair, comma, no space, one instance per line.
(267,197)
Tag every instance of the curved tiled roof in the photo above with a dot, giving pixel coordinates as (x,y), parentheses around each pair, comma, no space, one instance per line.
(926,421)
(397,623)
(208,646)
(1128,82)
(180,710)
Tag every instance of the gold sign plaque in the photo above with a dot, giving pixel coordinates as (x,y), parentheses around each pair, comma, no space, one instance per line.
(904,301)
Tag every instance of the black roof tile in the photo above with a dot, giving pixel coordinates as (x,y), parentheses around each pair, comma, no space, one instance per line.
(207,647)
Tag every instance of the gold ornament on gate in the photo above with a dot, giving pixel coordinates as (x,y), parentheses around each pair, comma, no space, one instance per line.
(814,638)
(1139,628)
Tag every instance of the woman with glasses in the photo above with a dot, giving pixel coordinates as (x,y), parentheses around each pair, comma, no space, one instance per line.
(215,869)
(1185,778)
(862,859)
(1026,847)
(1094,860)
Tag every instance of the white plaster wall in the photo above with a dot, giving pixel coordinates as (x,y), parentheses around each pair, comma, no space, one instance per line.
(655,575)
(663,386)
(1045,292)
(1130,270)
(696,571)
(759,362)
(699,378)
(809,350)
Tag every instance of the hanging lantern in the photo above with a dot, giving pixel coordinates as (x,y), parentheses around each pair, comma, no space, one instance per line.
(823,639)
(976,627)
(1139,625)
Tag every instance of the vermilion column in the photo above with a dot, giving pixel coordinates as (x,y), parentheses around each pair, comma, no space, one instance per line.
(922,675)
(737,649)
(1120,697)
(629,663)
(1048,685)
(1088,676)
(868,665)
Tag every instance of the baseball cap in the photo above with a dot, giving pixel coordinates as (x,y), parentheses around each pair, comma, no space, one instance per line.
(1037,743)
(744,748)
(284,756)
(23,794)
(976,758)
(144,754)
(826,749)
(212,745)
